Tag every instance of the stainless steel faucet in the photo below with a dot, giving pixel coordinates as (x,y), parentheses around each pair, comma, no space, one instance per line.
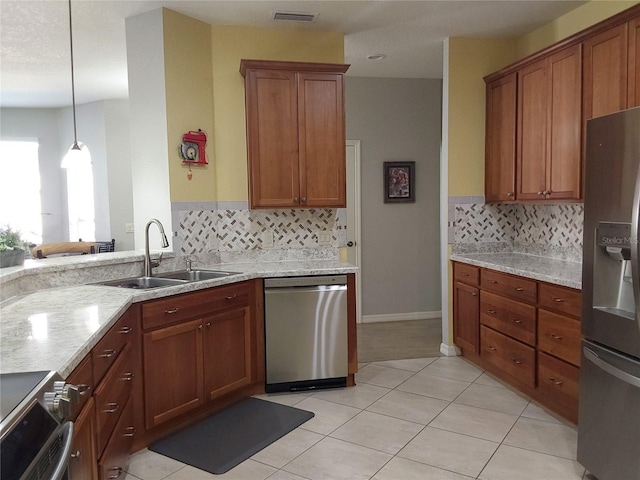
(148,263)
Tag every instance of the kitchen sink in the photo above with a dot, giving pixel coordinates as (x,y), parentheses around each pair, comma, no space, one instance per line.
(144,282)
(194,275)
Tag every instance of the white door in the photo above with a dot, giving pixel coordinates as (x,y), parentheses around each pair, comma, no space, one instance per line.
(353,218)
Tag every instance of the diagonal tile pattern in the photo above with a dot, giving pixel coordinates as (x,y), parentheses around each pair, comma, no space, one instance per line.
(435,419)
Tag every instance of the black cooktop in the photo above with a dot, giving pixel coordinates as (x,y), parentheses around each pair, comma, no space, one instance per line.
(14,387)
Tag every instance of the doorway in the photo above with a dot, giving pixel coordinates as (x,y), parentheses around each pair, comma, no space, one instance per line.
(353,246)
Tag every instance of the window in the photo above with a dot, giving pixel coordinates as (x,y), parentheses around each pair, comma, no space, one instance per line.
(20,203)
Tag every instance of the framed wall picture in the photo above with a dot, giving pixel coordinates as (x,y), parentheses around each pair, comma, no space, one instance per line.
(399,182)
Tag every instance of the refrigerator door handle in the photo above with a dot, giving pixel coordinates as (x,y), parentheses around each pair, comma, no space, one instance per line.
(635,247)
(610,369)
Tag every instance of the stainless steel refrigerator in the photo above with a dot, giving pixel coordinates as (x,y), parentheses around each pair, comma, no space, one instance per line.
(609,418)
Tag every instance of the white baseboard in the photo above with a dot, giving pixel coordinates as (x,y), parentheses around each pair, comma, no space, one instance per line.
(449,350)
(399,317)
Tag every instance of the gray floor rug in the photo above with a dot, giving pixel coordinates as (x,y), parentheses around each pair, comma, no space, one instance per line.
(227,438)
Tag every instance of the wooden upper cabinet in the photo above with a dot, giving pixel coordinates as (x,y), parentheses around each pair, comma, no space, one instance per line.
(500,142)
(295,134)
(633,84)
(605,72)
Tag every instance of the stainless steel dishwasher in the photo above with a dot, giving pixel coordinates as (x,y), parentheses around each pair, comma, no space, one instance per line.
(305,332)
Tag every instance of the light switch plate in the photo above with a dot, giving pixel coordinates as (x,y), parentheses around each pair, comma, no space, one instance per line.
(324,238)
(128,228)
(267,239)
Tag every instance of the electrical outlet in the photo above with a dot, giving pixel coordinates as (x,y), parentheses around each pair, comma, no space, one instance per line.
(128,228)
(324,238)
(267,239)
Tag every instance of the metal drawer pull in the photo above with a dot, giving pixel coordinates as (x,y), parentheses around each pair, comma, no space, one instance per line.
(493,281)
(129,432)
(464,274)
(295,199)
(208,324)
(554,381)
(108,353)
(515,320)
(516,361)
(120,471)
(492,312)
(76,455)
(127,377)
(200,327)
(518,289)
(474,294)
(554,336)
(557,299)
(125,330)
(112,408)
(172,311)
(491,347)
(232,297)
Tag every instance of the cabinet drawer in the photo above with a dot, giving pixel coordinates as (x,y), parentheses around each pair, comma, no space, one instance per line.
(516,319)
(163,312)
(113,463)
(107,349)
(558,380)
(466,274)
(518,288)
(559,336)
(565,300)
(112,395)
(82,378)
(510,356)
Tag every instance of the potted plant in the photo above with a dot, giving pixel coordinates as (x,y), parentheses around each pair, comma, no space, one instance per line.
(12,248)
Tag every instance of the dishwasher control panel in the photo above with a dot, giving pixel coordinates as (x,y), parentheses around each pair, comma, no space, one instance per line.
(287,282)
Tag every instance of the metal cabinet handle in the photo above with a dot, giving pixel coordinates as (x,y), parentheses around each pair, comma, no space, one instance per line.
(541,192)
(127,377)
(76,455)
(518,289)
(516,361)
(515,320)
(231,297)
(83,389)
(295,200)
(493,281)
(474,294)
(208,324)
(120,471)
(491,347)
(554,336)
(492,312)
(129,431)
(511,194)
(304,199)
(172,311)
(200,327)
(464,274)
(107,353)
(112,408)
(125,330)
(557,299)
(554,381)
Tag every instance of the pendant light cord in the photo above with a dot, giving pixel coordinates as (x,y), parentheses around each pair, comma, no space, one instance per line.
(73,87)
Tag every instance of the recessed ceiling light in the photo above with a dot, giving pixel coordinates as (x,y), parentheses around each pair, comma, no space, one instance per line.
(376,56)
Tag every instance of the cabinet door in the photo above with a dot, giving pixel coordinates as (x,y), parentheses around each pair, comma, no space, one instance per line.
(532,131)
(227,352)
(466,317)
(605,72)
(272,138)
(172,371)
(322,140)
(500,144)
(82,464)
(564,164)
(634,63)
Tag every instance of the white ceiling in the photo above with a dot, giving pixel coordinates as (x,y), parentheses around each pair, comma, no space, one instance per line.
(34,37)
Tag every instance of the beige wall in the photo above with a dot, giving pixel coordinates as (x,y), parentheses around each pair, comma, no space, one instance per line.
(230,44)
(189,99)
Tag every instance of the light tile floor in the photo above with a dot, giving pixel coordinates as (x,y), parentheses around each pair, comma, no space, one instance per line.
(433,418)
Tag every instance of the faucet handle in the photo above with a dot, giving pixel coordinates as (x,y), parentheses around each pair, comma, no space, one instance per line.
(189,263)
(156,263)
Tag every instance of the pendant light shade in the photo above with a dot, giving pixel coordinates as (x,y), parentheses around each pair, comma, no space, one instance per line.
(78,153)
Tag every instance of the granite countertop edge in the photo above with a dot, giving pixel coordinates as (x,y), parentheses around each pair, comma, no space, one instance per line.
(558,272)
(35,327)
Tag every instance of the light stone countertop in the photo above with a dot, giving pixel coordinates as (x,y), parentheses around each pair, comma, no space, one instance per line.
(558,272)
(54,329)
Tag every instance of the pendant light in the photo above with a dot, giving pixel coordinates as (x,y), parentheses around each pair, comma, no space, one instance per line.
(78,153)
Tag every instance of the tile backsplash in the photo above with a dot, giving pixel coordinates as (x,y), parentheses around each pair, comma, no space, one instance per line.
(264,233)
(549,230)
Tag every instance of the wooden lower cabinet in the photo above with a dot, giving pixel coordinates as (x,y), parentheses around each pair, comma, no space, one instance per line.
(528,333)
(82,464)
(509,355)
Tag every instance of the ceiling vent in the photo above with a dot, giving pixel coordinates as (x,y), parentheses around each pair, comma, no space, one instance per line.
(295,16)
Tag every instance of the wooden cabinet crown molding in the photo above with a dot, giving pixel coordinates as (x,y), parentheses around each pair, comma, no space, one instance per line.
(246,64)
(579,37)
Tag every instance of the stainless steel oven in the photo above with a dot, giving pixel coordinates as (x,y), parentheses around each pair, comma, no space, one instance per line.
(35,433)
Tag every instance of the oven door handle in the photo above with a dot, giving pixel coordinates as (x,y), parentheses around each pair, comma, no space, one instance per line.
(66,430)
